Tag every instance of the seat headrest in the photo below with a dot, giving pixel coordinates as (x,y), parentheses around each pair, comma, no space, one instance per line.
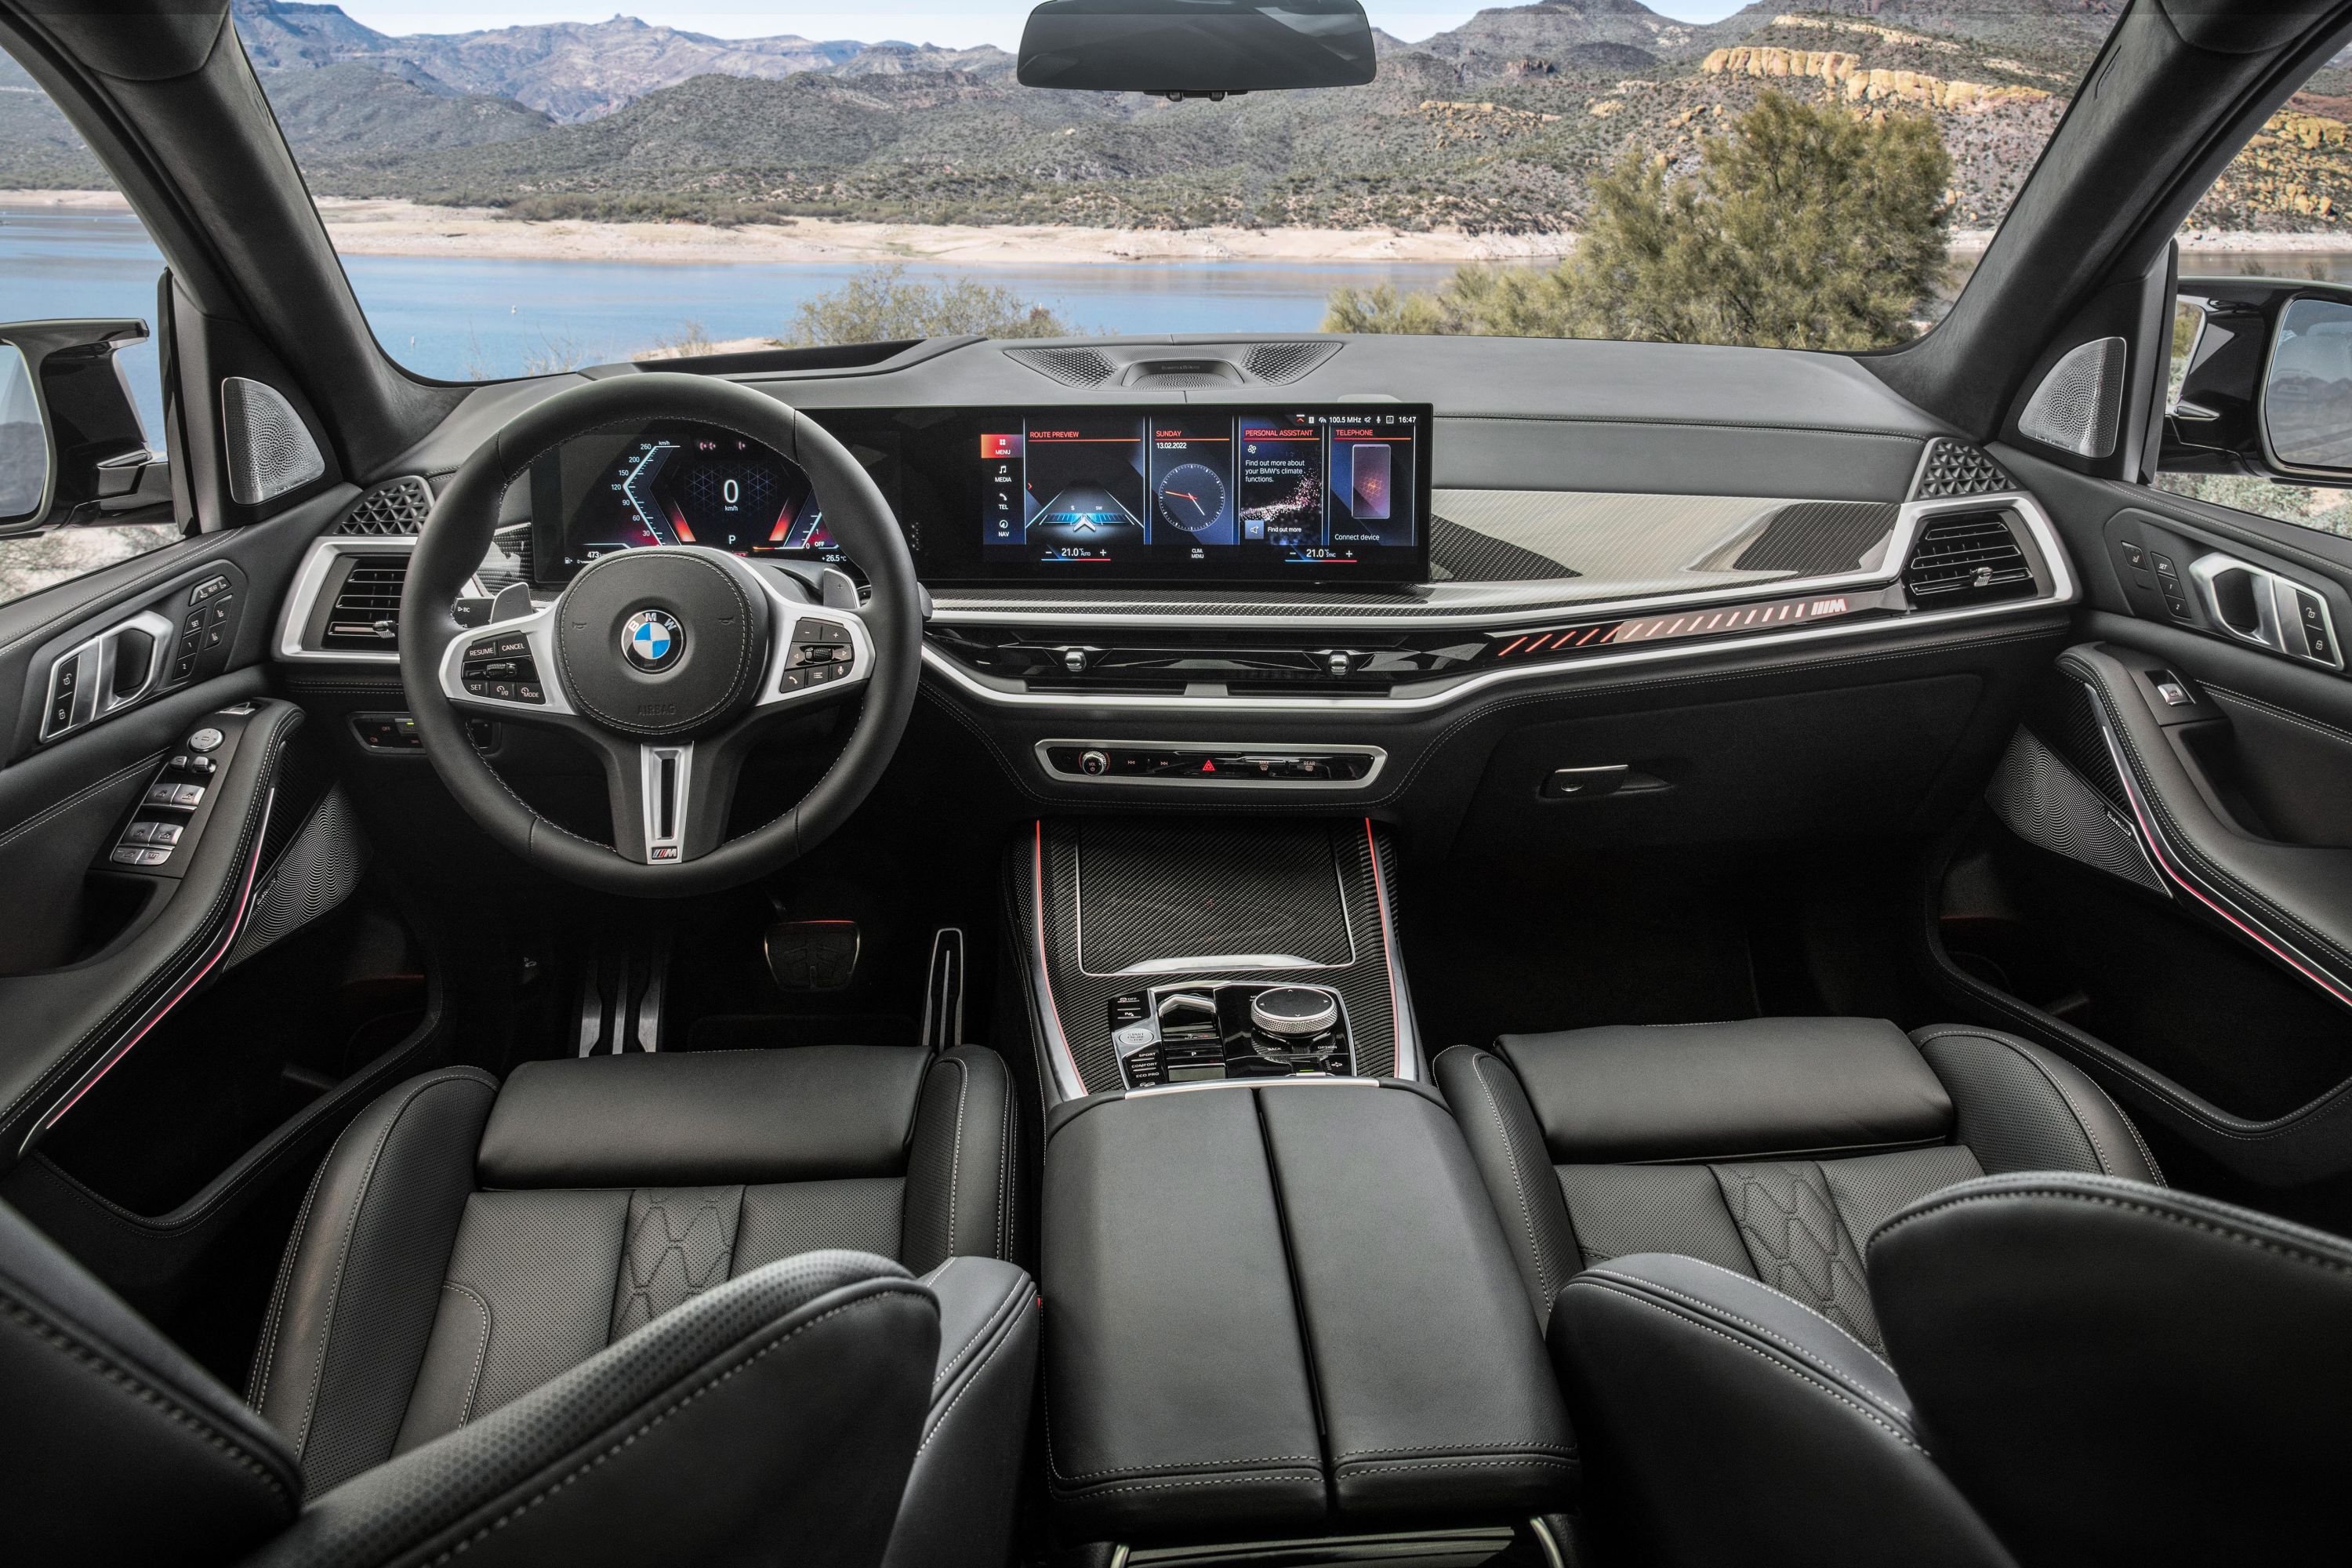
(1728,1091)
(685,1119)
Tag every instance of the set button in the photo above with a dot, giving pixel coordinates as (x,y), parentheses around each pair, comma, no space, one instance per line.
(501,668)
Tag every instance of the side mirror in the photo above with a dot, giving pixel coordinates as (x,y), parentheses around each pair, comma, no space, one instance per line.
(1196,48)
(2266,386)
(73,450)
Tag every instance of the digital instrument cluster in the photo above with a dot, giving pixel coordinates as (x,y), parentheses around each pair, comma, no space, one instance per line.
(685,484)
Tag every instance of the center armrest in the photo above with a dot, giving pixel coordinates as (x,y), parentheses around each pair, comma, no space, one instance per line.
(1285,1307)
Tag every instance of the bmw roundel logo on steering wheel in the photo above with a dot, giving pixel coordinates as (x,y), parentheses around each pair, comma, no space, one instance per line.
(652,639)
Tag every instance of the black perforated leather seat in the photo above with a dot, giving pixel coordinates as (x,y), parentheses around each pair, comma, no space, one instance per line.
(1771,1147)
(623,1310)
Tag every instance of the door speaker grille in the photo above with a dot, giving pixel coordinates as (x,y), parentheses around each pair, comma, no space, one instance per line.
(2076,407)
(269,452)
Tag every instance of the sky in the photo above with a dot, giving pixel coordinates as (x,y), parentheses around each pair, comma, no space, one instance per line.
(945,22)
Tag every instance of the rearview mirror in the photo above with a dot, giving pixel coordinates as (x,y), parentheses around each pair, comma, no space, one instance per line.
(72,449)
(1196,48)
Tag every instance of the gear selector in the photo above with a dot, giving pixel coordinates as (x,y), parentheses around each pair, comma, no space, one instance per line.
(1200,1033)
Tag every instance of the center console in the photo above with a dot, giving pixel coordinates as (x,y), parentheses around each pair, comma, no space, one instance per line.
(1285,1308)
(1282,1304)
(1182,950)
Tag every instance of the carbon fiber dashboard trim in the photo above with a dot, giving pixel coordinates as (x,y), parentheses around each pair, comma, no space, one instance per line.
(1074,1005)
(1084,610)
(1660,585)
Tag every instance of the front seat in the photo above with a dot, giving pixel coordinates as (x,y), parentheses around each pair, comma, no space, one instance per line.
(2081,1369)
(772,1419)
(464,1243)
(1770,1147)
(606,1315)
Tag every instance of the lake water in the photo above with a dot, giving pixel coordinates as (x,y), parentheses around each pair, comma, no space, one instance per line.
(467,319)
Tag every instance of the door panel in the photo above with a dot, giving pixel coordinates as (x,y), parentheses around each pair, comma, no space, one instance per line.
(2163,883)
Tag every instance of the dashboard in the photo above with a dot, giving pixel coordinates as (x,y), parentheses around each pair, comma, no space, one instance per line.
(1169,495)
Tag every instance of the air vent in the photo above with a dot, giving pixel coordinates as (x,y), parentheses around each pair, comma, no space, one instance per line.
(1071,367)
(366,613)
(1950,467)
(395,507)
(1964,556)
(1286,361)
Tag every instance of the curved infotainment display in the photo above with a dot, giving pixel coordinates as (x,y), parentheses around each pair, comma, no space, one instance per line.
(1205,492)
(1103,494)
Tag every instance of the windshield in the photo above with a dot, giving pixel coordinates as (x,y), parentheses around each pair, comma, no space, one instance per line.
(516,188)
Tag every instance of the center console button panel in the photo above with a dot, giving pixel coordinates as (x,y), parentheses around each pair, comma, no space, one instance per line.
(1165,763)
(1205,1034)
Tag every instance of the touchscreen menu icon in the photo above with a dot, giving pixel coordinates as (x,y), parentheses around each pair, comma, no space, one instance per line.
(1280,481)
(1370,463)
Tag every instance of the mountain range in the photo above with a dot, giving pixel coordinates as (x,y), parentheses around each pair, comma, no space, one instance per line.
(1496,125)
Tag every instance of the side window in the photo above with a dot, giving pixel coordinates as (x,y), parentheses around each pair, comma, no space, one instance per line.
(2281,212)
(70,249)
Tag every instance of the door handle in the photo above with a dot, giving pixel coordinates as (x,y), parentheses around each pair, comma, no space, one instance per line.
(106,674)
(2255,605)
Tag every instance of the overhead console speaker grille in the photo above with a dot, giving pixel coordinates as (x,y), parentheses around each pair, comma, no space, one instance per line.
(396,507)
(1071,367)
(366,611)
(2079,403)
(1286,361)
(1965,555)
(269,452)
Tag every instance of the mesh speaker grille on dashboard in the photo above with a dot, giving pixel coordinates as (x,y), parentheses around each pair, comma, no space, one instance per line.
(2077,407)
(395,507)
(269,453)
(1071,367)
(1950,467)
(1286,361)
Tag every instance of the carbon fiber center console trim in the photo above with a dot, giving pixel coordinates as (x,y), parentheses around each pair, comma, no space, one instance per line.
(1193,884)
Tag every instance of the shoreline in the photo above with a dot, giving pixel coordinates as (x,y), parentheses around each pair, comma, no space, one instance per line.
(385,227)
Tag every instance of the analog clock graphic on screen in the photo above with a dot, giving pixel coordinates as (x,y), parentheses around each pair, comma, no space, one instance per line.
(1192,496)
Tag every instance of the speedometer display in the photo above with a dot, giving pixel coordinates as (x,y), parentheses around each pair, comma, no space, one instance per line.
(671,484)
(726,493)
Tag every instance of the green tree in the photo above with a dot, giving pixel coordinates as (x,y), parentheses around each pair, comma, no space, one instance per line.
(883,304)
(1807,227)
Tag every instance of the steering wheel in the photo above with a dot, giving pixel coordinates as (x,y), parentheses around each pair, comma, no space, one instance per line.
(669,662)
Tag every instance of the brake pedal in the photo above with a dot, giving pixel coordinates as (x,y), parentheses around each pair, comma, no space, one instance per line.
(811,955)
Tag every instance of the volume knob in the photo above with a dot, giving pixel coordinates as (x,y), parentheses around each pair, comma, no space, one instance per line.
(1291,1010)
